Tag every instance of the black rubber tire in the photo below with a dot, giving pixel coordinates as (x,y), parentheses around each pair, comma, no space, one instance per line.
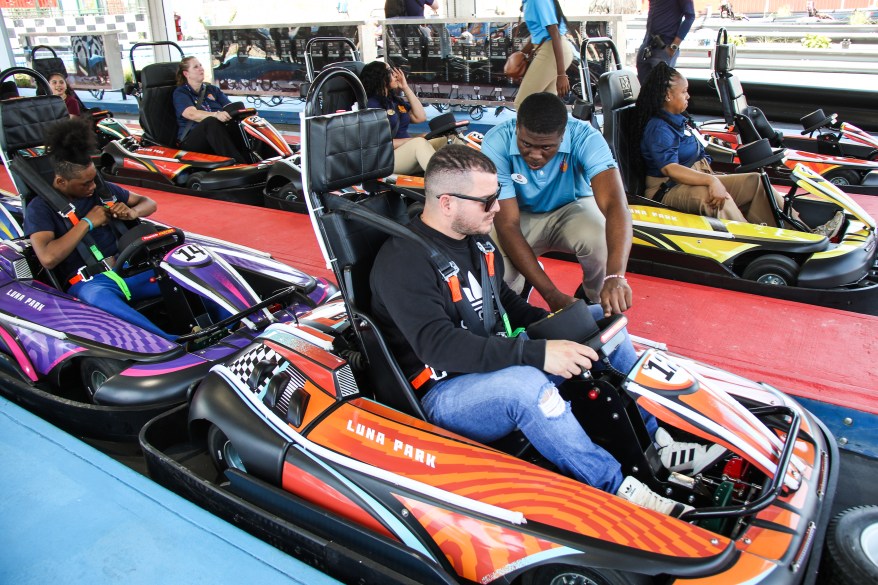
(774,269)
(572,575)
(851,555)
(194,181)
(221,450)
(94,372)
(843,177)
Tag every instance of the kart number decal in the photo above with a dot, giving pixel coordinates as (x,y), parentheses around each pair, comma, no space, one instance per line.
(661,374)
(189,255)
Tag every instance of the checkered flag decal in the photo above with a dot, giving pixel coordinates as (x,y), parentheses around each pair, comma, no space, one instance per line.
(244,365)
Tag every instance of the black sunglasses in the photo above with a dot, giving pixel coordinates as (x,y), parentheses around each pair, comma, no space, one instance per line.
(488,201)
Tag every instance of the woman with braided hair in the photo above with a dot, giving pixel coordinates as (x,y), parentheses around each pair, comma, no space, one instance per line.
(672,154)
(678,169)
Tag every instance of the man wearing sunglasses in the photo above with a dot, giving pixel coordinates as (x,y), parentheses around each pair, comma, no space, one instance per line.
(482,378)
(561,192)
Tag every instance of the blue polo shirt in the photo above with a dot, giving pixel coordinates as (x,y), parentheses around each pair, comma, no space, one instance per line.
(185,96)
(583,154)
(538,14)
(668,140)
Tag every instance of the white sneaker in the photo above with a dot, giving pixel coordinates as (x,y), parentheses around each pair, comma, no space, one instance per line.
(636,492)
(685,457)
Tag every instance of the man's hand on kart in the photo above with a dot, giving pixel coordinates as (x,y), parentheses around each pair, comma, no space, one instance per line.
(616,296)
(558,300)
(121,211)
(568,358)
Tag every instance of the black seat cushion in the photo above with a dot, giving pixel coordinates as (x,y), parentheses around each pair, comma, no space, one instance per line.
(619,90)
(157,115)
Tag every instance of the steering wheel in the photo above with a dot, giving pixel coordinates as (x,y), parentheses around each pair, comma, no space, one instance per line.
(238,112)
(141,244)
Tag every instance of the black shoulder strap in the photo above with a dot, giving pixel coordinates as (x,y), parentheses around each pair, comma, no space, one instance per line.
(87,247)
(197,105)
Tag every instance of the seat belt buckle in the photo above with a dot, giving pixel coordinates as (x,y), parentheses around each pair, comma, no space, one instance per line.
(69,214)
(80,276)
(486,247)
(450,271)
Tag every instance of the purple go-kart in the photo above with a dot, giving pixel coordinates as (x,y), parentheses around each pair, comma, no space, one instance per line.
(95,374)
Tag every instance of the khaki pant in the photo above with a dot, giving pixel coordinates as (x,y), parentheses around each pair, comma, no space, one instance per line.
(577,228)
(412,157)
(542,73)
(749,202)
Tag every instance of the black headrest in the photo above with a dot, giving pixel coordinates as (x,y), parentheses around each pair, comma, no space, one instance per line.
(159,75)
(24,121)
(814,120)
(618,89)
(49,65)
(724,61)
(346,149)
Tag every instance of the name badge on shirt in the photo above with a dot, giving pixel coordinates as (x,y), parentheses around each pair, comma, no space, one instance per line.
(519,178)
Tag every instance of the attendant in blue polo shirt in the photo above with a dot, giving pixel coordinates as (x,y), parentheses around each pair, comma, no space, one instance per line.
(203,128)
(560,191)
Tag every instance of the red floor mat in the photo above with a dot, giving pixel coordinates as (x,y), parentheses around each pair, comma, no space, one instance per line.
(819,353)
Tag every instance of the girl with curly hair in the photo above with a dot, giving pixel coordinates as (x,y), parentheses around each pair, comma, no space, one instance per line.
(387,89)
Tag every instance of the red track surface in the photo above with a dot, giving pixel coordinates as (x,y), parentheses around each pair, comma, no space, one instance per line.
(819,353)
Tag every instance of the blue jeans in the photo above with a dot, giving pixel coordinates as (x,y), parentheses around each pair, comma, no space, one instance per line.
(488,406)
(104,293)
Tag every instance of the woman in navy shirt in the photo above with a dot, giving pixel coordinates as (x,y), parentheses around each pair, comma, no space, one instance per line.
(203,128)
(383,85)
(671,151)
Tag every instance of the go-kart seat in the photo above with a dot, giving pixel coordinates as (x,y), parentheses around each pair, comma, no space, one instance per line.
(157,117)
(731,94)
(619,90)
(23,125)
(344,150)
(337,95)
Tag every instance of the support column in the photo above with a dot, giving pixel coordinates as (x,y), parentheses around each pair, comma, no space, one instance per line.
(7,58)
(161,22)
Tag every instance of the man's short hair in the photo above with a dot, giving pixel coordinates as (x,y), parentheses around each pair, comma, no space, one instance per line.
(542,113)
(450,163)
(71,144)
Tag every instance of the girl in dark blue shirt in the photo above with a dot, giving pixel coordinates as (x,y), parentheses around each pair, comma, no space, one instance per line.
(383,85)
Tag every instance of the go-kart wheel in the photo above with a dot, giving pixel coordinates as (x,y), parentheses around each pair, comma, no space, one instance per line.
(222,452)
(843,177)
(851,556)
(570,575)
(96,371)
(773,269)
(194,181)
